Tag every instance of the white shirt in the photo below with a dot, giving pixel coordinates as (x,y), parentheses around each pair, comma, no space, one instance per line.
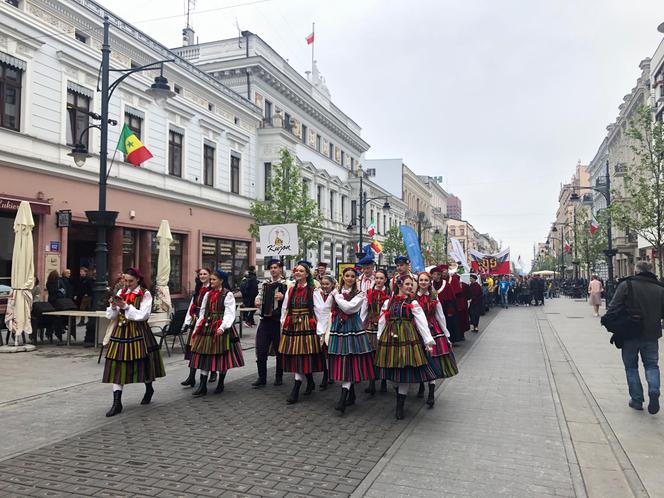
(229,311)
(319,309)
(440,316)
(419,320)
(355,305)
(131,313)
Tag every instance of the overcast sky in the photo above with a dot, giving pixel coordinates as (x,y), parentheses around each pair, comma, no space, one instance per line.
(501,98)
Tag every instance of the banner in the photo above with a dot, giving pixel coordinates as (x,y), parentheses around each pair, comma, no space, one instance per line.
(412,248)
(279,240)
(494,264)
(458,255)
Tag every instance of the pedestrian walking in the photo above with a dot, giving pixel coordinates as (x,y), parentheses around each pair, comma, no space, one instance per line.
(595,290)
(269,301)
(193,312)
(303,324)
(327,287)
(249,290)
(476,302)
(401,355)
(647,295)
(133,355)
(215,344)
(83,292)
(376,297)
(55,290)
(503,291)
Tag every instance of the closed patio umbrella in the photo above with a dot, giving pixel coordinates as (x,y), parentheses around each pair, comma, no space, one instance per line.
(164,239)
(19,305)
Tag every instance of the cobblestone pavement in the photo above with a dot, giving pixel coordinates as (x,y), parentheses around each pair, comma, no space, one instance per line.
(244,442)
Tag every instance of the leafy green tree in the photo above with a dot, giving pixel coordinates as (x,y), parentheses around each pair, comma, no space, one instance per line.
(550,263)
(437,253)
(639,207)
(288,202)
(394,244)
(590,246)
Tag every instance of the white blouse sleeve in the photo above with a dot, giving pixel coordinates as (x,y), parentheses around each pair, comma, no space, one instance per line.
(322,312)
(440,317)
(352,306)
(420,320)
(382,319)
(201,315)
(284,308)
(111,313)
(229,312)
(187,320)
(364,312)
(143,313)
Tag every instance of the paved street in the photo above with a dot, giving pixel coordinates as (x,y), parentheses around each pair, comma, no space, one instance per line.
(539,409)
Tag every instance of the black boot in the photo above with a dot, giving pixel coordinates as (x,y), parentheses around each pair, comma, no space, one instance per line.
(311,385)
(191,380)
(202,387)
(262,374)
(343,399)
(401,400)
(213,377)
(383,386)
(372,388)
(430,398)
(149,391)
(220,385)
(295,393)
(323,383)
(420,392)
(351,395)
(117,404)
(278,378)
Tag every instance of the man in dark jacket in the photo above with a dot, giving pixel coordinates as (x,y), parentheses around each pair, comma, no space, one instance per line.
(249,289)
(648,297)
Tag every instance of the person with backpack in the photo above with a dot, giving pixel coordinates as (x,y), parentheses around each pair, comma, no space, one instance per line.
(643,295)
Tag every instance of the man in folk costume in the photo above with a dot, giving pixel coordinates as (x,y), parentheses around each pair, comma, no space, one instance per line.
(462,292)
(269,301)
(367,278)
(447,297)
(403,269)
(321,270)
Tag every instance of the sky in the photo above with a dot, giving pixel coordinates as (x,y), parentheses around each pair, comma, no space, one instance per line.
(501,98)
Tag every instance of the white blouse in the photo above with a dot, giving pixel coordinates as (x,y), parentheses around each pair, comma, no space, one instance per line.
(229,312)
(419,320)
(440,317)
(320,307)
(355,305)
(131,313)
(187,320)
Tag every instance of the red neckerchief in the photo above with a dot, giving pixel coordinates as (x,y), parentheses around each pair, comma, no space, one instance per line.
(213,295)
(397,297)
(129,296)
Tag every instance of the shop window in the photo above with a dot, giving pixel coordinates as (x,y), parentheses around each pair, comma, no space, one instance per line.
(6,248)
(175,281)
(231,256)
(129,241)
(78,107)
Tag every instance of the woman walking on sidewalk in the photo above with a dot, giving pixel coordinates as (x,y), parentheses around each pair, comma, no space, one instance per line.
(441,358)
(193,312)
(376,297)
(595,290)
(350,353)
(215,345)
(133,354)
(401,357)
(303,323)
(327,288)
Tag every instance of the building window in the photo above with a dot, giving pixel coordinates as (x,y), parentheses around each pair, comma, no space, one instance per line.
(287,122)
(12,2)
(333,256)
(208,161)
(80,36)
(384,224)
(175,279)
(129,240)
(319,143)
(331,151)
(78,107)
(235,174)
(452,232)
(344,199)
(231,256)
(319,197)
(353,212)
(352,165)
(332,205)
(305,187)
(268,180)
(462,232)
(177,89)
(135,123)
(304,134)
(175,153)
(343,158)
(268,112)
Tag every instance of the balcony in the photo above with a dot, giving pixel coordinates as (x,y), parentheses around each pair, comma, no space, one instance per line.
(626,243)
(620,169)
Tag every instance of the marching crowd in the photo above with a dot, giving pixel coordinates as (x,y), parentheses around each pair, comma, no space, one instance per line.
(370,327)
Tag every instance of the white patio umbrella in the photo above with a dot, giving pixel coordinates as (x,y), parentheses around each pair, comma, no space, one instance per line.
(164,239)
(19,305)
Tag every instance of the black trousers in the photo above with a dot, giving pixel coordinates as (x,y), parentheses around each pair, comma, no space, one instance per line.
(475,311)
(268,333)
(455,335)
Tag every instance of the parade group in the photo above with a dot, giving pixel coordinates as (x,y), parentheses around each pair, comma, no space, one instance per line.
(368,327)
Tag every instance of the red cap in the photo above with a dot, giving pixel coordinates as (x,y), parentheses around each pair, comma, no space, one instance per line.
(440,268)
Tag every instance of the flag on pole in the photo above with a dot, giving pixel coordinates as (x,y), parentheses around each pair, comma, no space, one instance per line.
(568,246)
(372,228)
(310,38)
(377,247)
(594,226)
(129,144)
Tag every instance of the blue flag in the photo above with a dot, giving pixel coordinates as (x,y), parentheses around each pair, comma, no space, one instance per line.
(413,248)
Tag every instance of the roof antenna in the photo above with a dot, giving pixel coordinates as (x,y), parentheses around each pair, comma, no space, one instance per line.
(239,33)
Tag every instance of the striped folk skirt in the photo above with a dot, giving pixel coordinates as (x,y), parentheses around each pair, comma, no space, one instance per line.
(442,359)
(299,344)
(133,355)
(400,356)
(216,352)
(349,352)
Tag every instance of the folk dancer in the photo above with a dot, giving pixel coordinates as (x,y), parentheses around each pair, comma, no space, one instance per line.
(269,300)
(133,354)
(447,297)
(462,291)
(215,345)
(327,285)
(376,297)
(403,269)
(476,302)
(367,278)
(321,271)
(302,330)
(350,353)
(194,310)
(441,358)
(401,355)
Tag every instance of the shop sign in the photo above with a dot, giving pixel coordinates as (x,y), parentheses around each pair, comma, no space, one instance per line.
(279,240)
(54,246)
(7,204)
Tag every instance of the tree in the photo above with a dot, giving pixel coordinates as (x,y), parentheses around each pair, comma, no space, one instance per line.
(287,202)
(590,246)
(394,244)
(546,263)
(436,255)
(639,208)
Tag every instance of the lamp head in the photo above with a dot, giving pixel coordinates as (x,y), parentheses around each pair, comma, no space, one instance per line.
(387,206)
(160,91)
(80,153)
(554,229)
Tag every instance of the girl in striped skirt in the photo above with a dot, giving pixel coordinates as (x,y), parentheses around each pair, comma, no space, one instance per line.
(215,344)
(350,353)
(327,285)
(133,354)
(303,323)
(401,355)
(193,312)
(376,297)
(441,359)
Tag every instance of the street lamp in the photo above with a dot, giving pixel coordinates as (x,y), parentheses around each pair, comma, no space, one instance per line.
(363,202)
(103,219)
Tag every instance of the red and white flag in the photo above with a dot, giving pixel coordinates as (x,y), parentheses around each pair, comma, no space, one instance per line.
(594,226)
(568,246)
(310,38)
